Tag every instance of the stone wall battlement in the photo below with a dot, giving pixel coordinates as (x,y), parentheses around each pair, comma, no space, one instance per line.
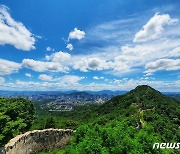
(37,140)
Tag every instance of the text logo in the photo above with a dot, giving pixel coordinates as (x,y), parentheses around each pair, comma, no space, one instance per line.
(166,145)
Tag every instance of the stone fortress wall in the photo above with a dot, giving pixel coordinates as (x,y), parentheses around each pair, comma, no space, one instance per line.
(37,140)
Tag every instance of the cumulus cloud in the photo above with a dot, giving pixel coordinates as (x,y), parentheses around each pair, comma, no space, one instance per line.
(41,66)
(45,77)
(81,65)
(53,63)
(163,64)
(69,46)
(119,59)
(28,75)
(86,64)
(154,27)
(59,56)
(98,78)
(114,59)
(13,32)
(94,63)
(66,79)
(76,34)
(49,49)
(8,67)
(70,79)
(123,63)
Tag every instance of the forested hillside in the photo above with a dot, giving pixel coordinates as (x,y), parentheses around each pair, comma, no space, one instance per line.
(16,115)
(129,123)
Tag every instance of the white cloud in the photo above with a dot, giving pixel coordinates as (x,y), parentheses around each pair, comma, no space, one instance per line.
(116,60)
(67,82)
(154,27)
(41,66)
(45,77)
(2,80)
(131,84)
(75,85)
(76,34)
(63,80)
(59,57)
(110,32)
(66,79)
(112,59)
(94,63)
(8,67)
(49,49)
(119,59)
(70,79)
(148,74)
(135,56)
(13,32)
(69,46)
(175,52)
(28,75)
(163,64)
(98,78)
(80,64)
(123,63)
(54,63)
(28,85)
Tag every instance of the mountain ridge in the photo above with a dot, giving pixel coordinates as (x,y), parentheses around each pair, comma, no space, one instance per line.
(144,96)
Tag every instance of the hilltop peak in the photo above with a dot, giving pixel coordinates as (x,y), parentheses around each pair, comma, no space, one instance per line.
(142,96)
(144,89)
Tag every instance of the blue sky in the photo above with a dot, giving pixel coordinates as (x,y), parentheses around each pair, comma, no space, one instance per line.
(92,45)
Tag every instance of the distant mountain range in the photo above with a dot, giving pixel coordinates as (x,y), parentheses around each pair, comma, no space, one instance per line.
(108,92)
(103,92)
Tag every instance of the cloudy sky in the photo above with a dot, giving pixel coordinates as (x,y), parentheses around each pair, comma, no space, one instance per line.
(89,45)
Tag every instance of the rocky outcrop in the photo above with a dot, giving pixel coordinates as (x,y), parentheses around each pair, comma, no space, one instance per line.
(37,140)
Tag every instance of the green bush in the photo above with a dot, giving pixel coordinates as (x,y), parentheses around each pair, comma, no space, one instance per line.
(16,115)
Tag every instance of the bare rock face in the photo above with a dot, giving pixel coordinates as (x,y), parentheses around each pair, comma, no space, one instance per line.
(37,140)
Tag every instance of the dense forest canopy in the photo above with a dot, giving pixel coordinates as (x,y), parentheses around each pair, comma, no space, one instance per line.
(16,115)
(129,123)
